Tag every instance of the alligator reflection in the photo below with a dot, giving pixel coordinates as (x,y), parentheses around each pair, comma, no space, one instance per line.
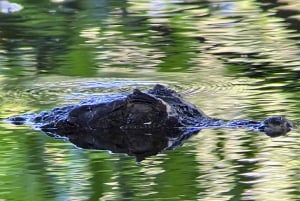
(139,143)
(139,123)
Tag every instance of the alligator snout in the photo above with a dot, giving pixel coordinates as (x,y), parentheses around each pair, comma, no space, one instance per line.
(276,126)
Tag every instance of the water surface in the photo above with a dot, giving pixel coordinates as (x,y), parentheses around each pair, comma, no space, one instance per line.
(233,59)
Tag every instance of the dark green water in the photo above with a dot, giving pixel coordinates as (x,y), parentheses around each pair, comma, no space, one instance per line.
(233,59)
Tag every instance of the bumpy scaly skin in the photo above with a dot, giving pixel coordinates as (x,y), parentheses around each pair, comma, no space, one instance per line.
(160,107)
(139,124)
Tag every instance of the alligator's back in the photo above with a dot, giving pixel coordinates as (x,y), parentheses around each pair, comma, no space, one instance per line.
(159,107)
(139,123)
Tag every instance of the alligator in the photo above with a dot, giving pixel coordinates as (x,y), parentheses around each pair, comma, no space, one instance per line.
(140,124)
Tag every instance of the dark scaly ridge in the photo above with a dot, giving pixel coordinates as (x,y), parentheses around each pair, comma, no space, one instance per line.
(139,123)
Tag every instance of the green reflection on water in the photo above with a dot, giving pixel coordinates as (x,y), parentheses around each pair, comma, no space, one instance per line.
(234,59)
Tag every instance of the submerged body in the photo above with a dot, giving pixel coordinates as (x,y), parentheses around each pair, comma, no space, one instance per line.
(159,113)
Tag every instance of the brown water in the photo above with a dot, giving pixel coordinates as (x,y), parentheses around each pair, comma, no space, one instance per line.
(233,59)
